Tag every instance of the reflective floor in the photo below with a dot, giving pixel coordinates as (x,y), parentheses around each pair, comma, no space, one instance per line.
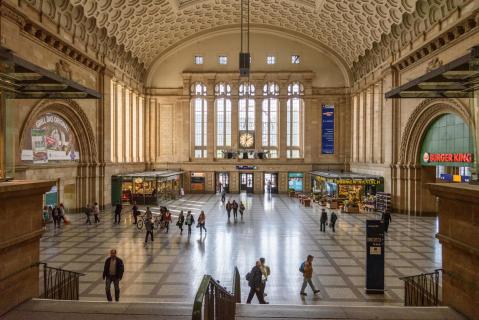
(275,227)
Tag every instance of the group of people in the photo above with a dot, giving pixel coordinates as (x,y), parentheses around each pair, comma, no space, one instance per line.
(56,213)
(235,207)
(89,209)
(324,220)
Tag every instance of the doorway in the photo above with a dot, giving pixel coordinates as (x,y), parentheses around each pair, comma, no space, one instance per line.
(246,182)
(271,183)
(222,181)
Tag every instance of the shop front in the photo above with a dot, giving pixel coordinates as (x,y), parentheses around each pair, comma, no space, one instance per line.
(197,182)
(345,189)
(295,181)
(146,187)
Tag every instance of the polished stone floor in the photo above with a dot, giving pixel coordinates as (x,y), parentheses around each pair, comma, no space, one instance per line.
(275,227)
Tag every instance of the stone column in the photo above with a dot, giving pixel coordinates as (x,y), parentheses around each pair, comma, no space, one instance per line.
(459,236)
(20,245)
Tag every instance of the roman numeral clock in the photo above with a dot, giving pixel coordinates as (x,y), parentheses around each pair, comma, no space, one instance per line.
(246,140)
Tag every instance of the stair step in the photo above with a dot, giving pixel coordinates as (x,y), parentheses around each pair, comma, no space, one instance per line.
(38,309)
(280,312)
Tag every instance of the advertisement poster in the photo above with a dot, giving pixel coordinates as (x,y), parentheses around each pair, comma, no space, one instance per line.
(295,181)
(327,132)
(51,140)
(39,146)
(374,256)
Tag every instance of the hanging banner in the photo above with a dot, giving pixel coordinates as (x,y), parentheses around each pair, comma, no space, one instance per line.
(327,131)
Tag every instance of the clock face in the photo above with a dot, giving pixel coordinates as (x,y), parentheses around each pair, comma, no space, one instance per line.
(246,140)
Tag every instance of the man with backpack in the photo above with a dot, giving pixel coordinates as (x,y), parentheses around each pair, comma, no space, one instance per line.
(333,219)
(254,282)
(306,269)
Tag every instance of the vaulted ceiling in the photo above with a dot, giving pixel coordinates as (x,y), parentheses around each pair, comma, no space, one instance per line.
(151,27)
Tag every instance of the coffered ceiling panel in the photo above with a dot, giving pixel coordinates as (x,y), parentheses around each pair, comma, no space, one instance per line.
(150,27)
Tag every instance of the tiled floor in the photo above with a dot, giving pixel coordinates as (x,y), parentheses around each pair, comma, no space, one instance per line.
(276,227)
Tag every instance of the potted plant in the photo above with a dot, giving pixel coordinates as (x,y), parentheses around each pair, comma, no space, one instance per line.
(291,192)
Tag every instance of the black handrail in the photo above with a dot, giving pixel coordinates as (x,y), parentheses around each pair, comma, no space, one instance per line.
(422,289)
(59,284)
(213,301)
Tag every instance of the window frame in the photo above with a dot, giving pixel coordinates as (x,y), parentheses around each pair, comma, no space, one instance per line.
(294,121)
(199,104)
(269,140)
(223,98)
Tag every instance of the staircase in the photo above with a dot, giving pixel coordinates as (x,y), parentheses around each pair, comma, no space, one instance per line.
(39,309)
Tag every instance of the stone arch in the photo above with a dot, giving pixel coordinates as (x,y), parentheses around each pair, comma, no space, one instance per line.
(421,119)
(76,118)
(82,182)
(409,186)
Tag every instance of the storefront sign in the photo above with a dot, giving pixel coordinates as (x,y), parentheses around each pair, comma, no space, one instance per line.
(347,181)
(327,129)
(448,157)
(245,167)
(51,139)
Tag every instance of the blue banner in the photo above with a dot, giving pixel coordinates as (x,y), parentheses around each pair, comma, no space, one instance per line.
(327,129)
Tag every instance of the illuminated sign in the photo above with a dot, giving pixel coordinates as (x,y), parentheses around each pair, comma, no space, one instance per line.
(245,167)
(349,181)
(448,157)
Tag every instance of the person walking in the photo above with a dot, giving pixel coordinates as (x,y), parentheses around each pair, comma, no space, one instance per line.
(235,209)
(223,195)
(96,212)
(229,206)
(202,222)
(254,282)
(62,213)
(113,272)
(87,212)
(149,230)
(189,220)
(148,213)
(45,217)
(241,209)
(265,272)
(323,220)
(386,218)
(56,216)
(167,220)
(307,270)
(332,221)
(118,209)
(181,221)
(134,211)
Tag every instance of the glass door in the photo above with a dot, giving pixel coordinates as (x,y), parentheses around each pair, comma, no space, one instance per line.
(246,182)
(222,181)
(271,183)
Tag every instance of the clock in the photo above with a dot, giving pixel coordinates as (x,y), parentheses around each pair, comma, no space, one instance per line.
(246,140)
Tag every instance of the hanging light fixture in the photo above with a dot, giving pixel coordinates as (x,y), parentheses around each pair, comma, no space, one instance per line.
(244,56)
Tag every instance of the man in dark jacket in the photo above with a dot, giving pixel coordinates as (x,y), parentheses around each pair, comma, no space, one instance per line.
(254,282)
(118,209)
(323,220)
(113,272)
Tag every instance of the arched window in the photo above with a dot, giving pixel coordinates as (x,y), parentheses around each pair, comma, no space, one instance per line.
(198,93)
(246,110)
(294,123)
(269,119)
(223,118)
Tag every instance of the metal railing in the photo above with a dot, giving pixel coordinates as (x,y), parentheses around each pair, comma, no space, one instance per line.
(422,290)
(213,301)
(59,284)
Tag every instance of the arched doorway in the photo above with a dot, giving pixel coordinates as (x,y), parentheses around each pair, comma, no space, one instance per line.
(410,176)
(57,143)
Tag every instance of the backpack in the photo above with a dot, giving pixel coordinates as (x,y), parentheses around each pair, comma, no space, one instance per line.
(248,276)
(301,268)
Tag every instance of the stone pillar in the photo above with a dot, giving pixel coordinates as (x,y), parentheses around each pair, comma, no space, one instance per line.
(20,233)
(459,236)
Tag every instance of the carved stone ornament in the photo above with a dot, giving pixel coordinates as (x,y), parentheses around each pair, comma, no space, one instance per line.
(62,68)
(434,64)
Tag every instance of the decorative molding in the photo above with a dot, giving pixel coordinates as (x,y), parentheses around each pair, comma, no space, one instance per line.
(62,68)
(413,26)
(434,64)
(97,48)
(421,119)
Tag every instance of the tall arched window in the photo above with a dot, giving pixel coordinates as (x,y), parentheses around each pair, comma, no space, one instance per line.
(294,124)
(269,119)
(198,93)
(246,113)
(223,118)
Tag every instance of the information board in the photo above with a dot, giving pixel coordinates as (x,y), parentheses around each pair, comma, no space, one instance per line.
(374,256)
(327,129)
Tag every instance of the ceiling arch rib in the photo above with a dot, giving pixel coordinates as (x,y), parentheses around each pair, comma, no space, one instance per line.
(150,27)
